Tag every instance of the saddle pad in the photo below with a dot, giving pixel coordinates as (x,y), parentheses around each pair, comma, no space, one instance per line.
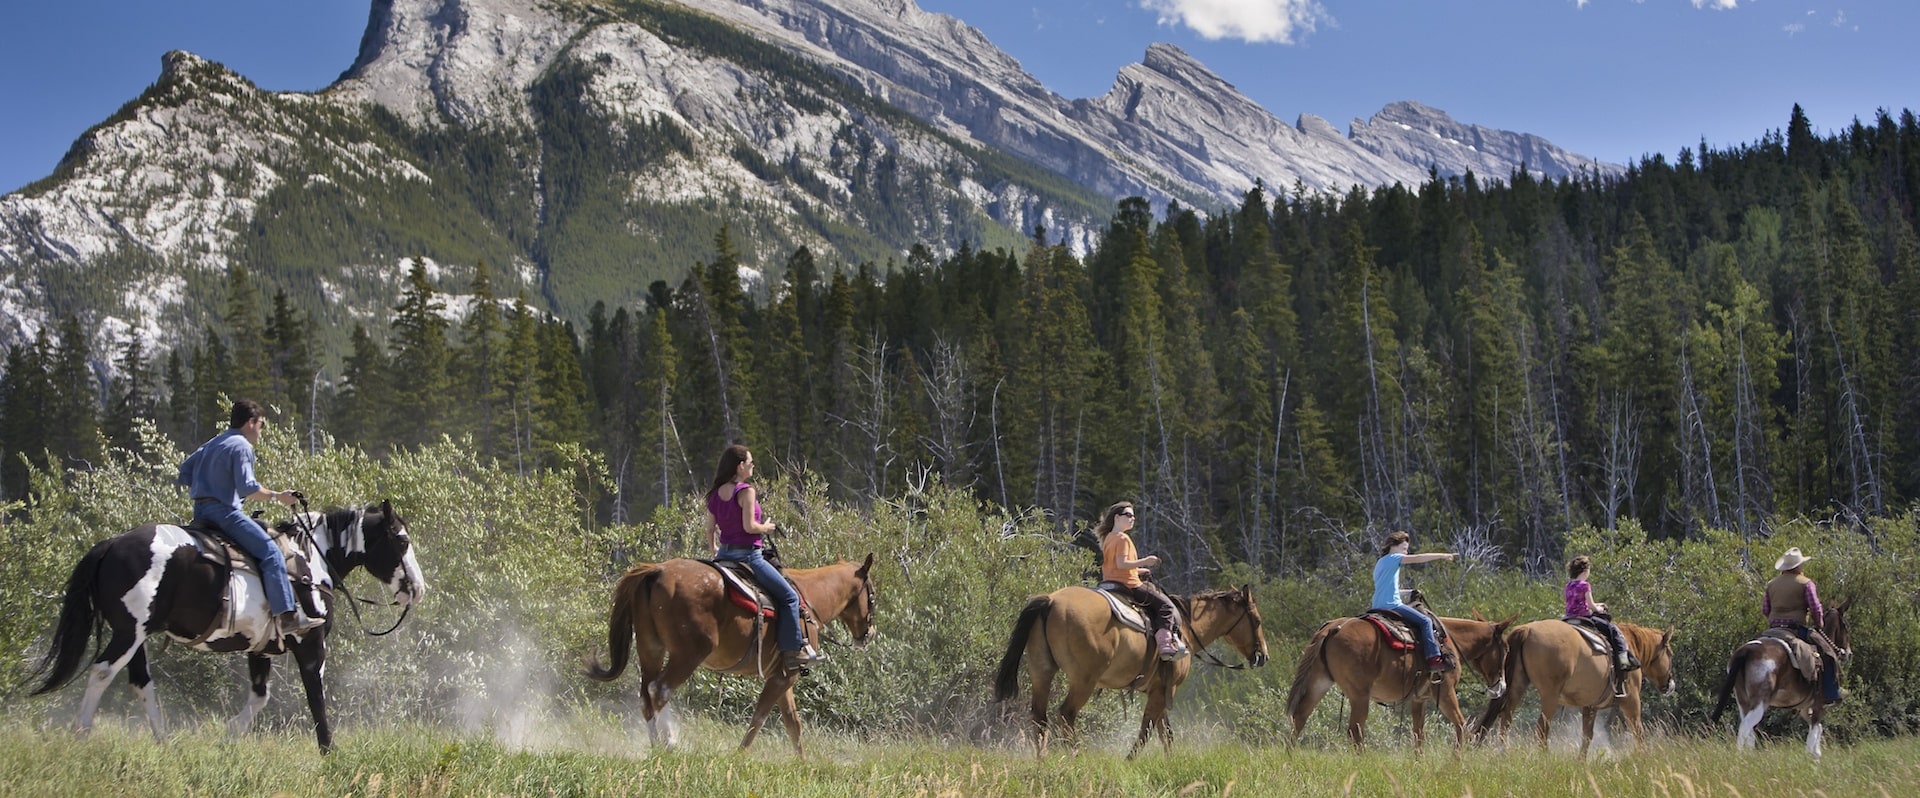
(1803,655)
(741,589)
(218,548)
(1398,634)
(1123,610)
(1596,640)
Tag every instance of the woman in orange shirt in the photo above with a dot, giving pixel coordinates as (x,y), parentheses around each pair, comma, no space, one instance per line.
(1123,566)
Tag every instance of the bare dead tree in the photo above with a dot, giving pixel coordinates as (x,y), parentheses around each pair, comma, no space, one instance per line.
(1621,468)
(1863,482)
(722,372)
(871,421)
(1695,444)
(947,387)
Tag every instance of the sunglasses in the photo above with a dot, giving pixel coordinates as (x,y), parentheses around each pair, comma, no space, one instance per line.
(1127,513)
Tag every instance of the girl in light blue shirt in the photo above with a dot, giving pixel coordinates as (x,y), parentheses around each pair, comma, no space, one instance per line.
(1386,594)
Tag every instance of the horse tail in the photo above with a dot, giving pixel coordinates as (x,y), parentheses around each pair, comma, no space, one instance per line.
(1315,657)
(77,623)
(1725,693)
(1007,683)
(628,596)
(1516,644)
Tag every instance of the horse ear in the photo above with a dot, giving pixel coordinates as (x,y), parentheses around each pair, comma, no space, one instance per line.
(1478,617)
(386,507)
(1508,623)
(1845,604)
(867,566)
(1247,590)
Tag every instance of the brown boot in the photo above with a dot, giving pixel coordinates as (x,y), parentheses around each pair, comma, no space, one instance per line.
(294,623)
(798,662)
(1168,650)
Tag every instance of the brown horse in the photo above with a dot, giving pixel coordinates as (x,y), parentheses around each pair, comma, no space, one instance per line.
(1552,656)
(678,617)
(1073,630)
(1761,677)
(1350,653)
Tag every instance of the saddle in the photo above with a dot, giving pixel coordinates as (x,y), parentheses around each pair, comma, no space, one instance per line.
(218,549)
(1398,634)
(1129,613)
(1595,636)
(1805,656)
(744,590)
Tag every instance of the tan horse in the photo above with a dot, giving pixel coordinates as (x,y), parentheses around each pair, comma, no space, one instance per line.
(1760,677)
(679,618)
(1350,653)
(1552,656)
(1073,630)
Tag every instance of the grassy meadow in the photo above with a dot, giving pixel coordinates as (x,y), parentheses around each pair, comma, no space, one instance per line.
(606,757)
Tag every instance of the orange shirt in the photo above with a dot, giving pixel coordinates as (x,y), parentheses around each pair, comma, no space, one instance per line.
(1118,547)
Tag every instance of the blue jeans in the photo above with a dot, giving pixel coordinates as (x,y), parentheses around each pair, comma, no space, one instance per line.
(243,530)
(1829,667)
(783,594)
(1429,646)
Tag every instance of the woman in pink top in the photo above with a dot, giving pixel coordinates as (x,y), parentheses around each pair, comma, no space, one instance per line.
(736,531)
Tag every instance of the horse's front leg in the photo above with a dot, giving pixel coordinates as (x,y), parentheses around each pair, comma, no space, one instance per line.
(1155,714)
(769,695)
(259,676)
(790,713)
(1816,728)
(311,654)
(142,683)
(1450,708)
(1587,714)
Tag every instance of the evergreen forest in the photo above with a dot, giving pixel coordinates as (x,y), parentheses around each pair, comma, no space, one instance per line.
(1719,341)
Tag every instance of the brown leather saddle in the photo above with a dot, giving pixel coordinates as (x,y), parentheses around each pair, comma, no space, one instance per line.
(744,591)
(1399,634)
(217,548)
(1595,635)
(1130,613)
(1805,656)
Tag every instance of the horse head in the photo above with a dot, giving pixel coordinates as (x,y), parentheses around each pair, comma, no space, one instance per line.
(1834,624)
(1231,614)
(861,606)
(1488,657)
(375,538)
(1658,666)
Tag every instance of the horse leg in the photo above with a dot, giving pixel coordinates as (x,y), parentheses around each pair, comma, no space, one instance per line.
(1587,714)
(1417,717)
(1356,716)
(1549,707)
(1816,727)
(1079,692)
(119,651)
(142,683)
(1749,719)
(311,655)
(769,694)
(259,672)
(1042,678)
(680,667)
(1629,710)
(790,713)
(1155,715)
(1166,722)
(1450,708)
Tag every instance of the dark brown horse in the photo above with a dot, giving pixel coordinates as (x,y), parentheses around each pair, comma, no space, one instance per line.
(1761,677)
(1351,653)
(677,617)
(1073,630)
(1552,656)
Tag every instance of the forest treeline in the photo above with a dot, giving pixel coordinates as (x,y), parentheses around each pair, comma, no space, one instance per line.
(1717,341)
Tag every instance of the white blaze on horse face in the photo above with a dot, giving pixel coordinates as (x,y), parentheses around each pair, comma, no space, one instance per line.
(1499,688)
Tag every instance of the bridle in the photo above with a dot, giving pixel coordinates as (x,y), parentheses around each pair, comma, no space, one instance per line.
(304,523)
(873,609)
(1246,614)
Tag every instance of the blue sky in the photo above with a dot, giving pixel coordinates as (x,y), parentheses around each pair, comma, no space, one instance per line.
(1613,79)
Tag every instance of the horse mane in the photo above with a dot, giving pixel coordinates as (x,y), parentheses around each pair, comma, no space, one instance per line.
(1214,594)
(1640,637)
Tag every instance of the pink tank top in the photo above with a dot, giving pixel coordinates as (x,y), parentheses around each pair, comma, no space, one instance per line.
(726,514)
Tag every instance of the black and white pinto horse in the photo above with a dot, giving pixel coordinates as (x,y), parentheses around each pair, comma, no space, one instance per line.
(153,580)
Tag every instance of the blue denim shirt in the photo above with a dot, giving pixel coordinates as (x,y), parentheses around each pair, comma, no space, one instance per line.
(1386,582)
(221,469)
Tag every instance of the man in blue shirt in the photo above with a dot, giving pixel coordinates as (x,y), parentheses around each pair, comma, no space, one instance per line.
(220,474)
(1386,594)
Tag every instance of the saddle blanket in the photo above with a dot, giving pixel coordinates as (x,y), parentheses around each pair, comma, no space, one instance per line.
(1804,656)
(741,588)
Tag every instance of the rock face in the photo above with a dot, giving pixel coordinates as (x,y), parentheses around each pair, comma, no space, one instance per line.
(578,146)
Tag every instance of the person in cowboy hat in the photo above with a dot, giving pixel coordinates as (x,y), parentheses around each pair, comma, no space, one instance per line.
(1789,600)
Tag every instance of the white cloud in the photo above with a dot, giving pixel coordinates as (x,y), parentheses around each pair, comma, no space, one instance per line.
(1794,28)
(1279,21)
(1717,5)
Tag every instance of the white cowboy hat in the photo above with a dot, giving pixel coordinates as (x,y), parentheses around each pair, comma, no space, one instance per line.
(1790,560)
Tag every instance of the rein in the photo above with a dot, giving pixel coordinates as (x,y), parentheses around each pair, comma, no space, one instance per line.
(306,526)
(1186,610)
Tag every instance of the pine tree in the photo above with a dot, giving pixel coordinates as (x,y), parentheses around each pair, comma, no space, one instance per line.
(73,414)
(476,368)
(26,397)
(249,377)
(366,403)
(131,397)
(419,357)
(289,338)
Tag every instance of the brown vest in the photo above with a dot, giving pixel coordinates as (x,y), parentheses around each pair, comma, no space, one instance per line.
(1787,598)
